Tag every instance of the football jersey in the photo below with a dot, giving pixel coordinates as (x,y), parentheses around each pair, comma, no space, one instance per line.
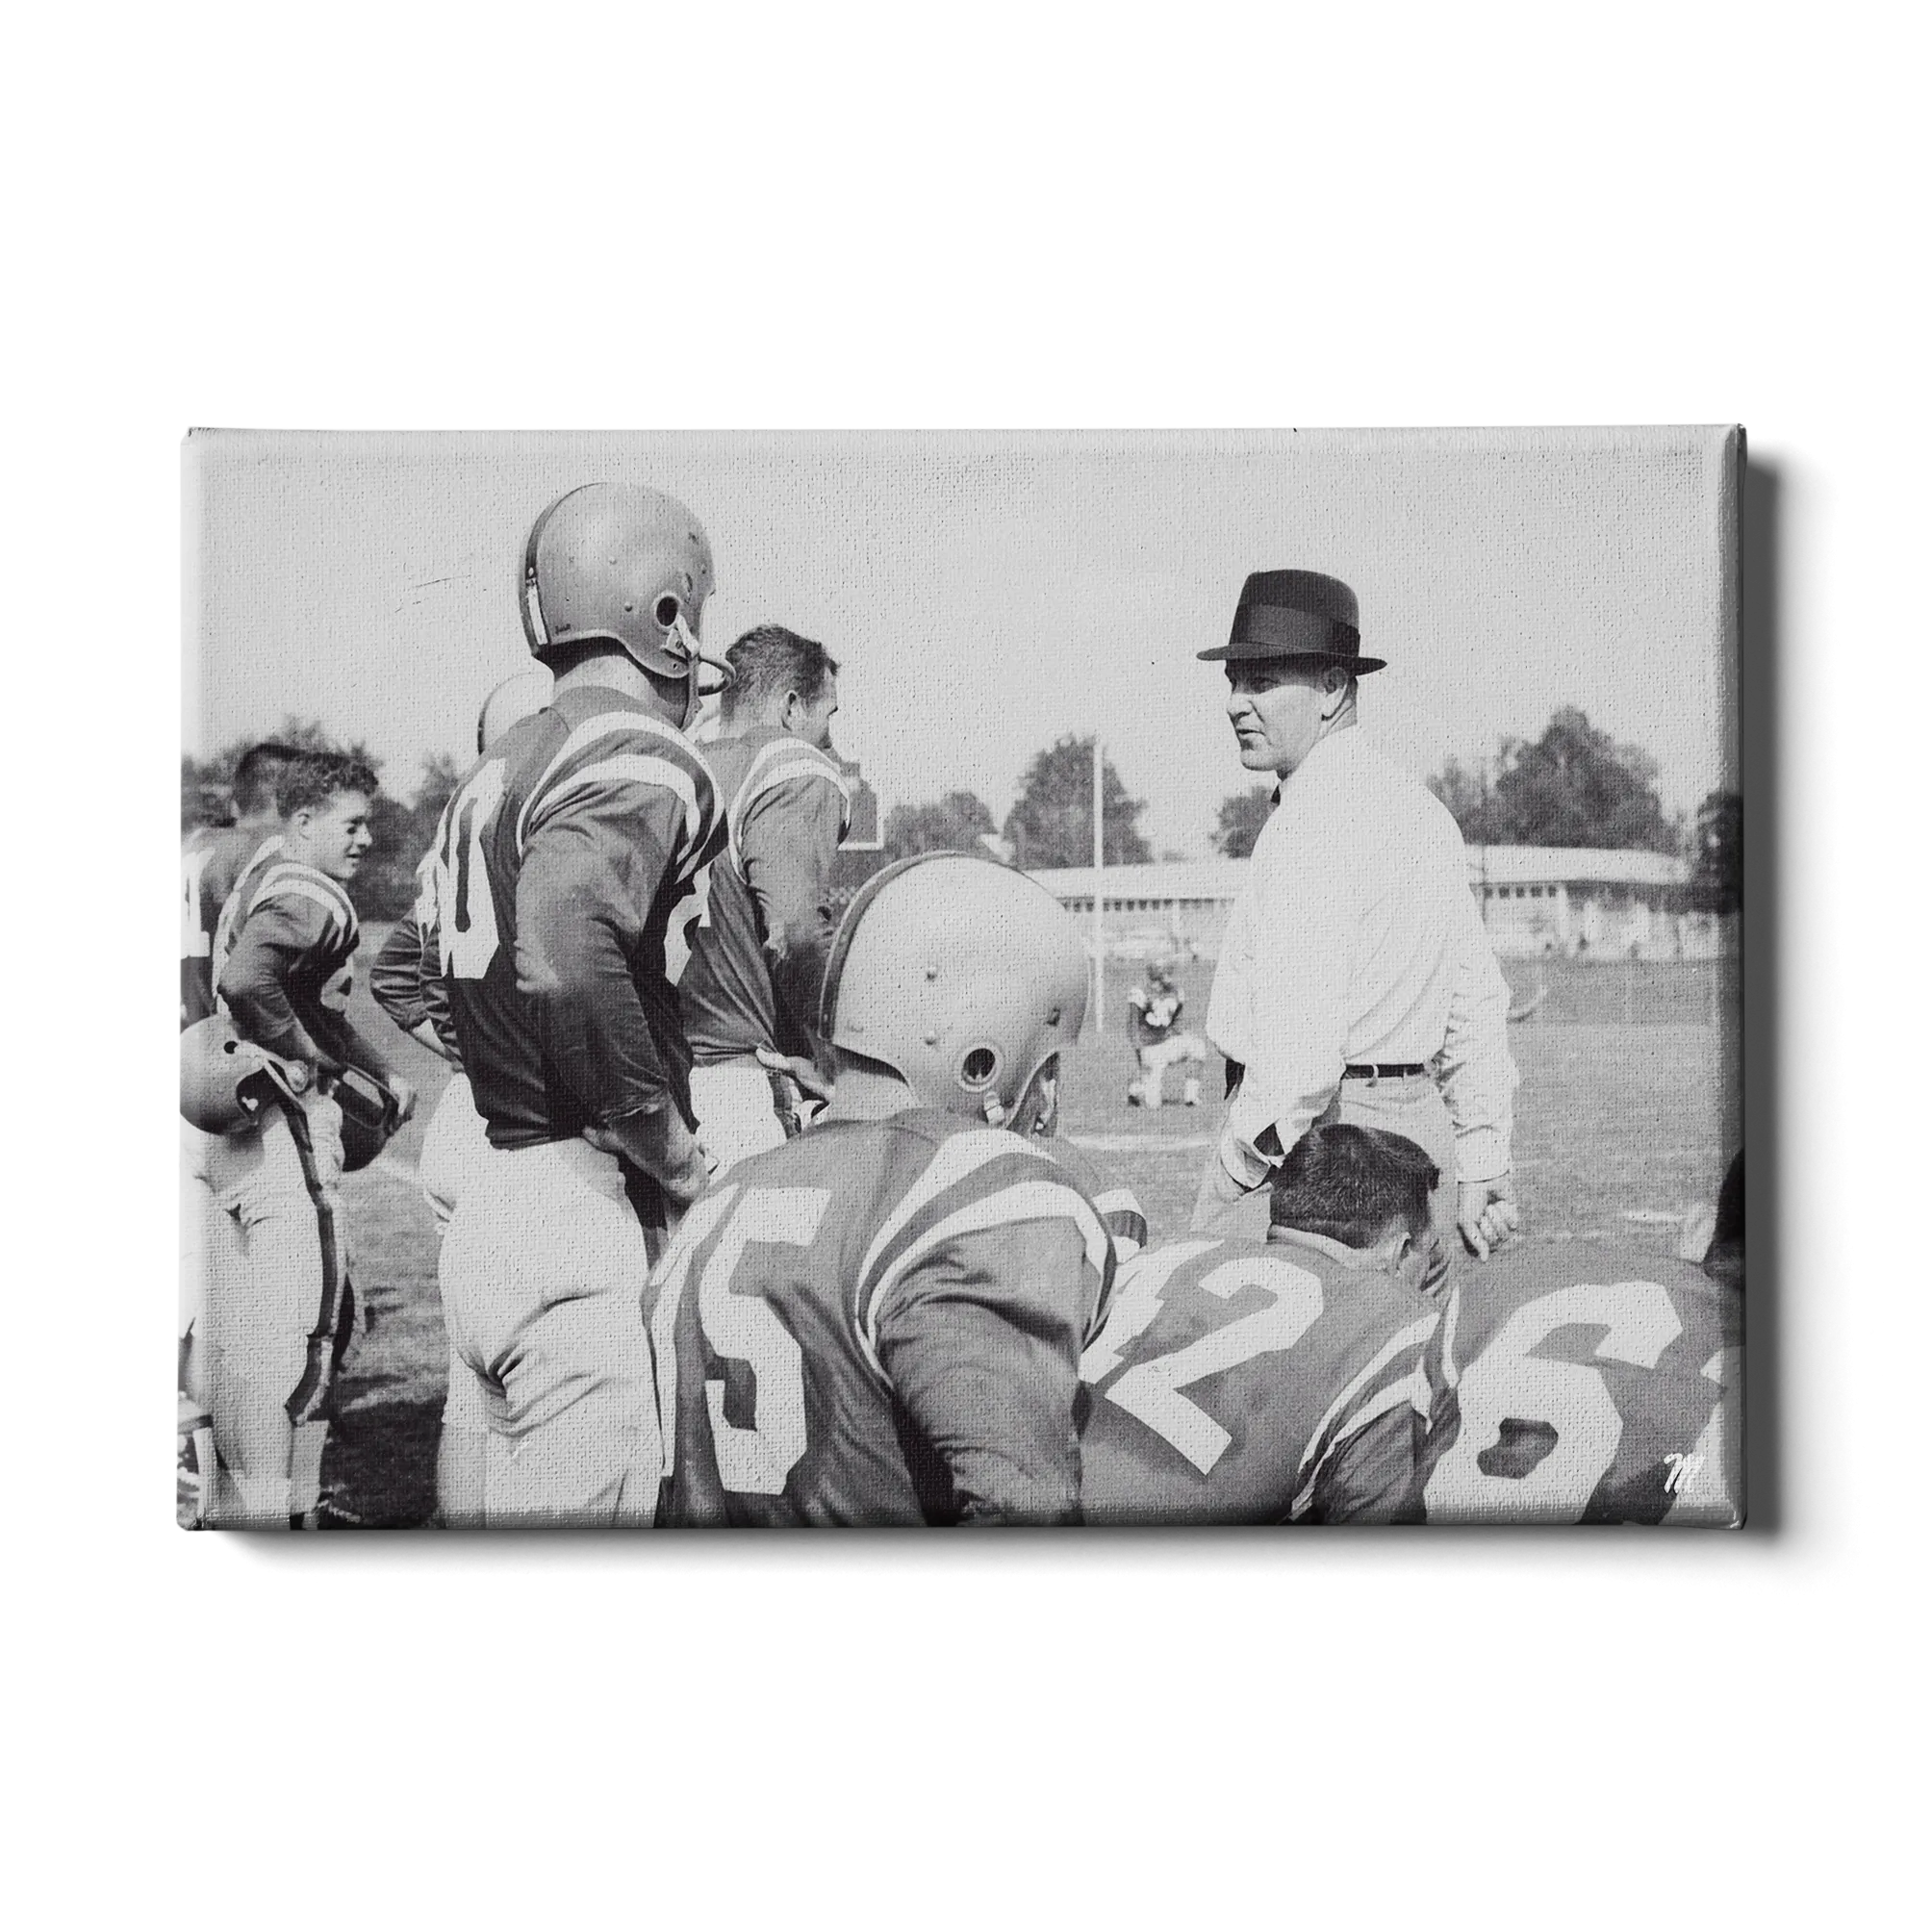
(1586,1383)
(560,862)
(1114,1201)
(1242,1382)
(212,859)
(284,957)
(760,930)
(879,1322)
(405,979)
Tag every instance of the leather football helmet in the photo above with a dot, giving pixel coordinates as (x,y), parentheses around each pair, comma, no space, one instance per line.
(519,697)
(966,979)
(625,565)
(225,1081)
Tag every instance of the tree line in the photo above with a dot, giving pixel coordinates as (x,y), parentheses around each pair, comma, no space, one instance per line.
(1573,786)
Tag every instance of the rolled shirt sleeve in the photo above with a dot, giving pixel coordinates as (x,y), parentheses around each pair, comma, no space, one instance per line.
(1475,1070)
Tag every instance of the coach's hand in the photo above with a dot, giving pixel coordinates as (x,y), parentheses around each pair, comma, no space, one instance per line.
(802,1072)
(1487,1213)
(404,1096)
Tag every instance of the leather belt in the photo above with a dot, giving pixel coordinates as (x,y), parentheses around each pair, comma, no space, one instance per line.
(1406,1071)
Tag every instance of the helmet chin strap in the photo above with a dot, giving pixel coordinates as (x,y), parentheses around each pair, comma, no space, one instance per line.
(695,661)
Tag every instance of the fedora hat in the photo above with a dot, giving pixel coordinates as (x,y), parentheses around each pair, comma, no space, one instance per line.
(1296,614)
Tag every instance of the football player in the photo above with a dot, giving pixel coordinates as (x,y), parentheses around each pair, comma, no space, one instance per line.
(759,933)
(277,1286)
(212,859)
(407,983)
(1281,1382)
(1154,1018)
(1590,1384)
(564,856)
(880,1320)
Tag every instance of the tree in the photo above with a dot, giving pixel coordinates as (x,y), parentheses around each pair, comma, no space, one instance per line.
(1238,824)
(954,822)
(1466,793)
(1718,855)
(1573,786)
(1053,823)
(437,786)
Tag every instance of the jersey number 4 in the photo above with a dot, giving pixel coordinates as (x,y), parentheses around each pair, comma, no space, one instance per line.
(466,909)
(756,1457)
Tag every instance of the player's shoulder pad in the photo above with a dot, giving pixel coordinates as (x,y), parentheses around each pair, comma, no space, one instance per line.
(290,884)
(974,1178)
(1582,1284)
(785,761)
(612,754)
(1116,1203)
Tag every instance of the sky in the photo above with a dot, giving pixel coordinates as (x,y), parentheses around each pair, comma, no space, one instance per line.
(987,593)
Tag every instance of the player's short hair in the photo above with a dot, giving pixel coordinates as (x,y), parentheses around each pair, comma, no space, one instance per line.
(318,776)
(1349,1182)
(258,773)
(771,658)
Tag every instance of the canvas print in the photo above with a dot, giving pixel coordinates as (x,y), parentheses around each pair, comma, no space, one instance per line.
(1090,979)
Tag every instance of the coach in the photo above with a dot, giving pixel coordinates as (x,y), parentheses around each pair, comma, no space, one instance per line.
(1355,981)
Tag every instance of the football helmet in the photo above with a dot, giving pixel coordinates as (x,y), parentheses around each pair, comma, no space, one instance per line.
(964,977)
(370,1116)
(225,1081)
(515,699)
(626,564)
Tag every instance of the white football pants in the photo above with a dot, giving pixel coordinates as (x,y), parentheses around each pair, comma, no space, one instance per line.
(736,1114)
(261,1280)
(454,1145)
(541,1269)
(1189,1050)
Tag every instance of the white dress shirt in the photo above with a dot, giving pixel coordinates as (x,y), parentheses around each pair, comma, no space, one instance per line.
(1356,941)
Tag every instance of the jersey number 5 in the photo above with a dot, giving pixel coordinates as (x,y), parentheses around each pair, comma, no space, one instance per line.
(465,909)
(753,1459)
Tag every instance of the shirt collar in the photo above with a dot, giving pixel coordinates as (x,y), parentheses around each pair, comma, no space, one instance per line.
(1357,1259)
(1324,751)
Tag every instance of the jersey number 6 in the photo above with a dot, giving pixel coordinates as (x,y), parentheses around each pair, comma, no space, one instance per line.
(1509,1382)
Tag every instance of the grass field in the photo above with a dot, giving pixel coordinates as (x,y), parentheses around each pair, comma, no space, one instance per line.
(1621,1125)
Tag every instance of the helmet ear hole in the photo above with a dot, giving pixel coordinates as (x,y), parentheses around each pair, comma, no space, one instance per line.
(979,1068)
(666,611)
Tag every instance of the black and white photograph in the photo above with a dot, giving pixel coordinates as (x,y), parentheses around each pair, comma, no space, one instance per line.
(928,979)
